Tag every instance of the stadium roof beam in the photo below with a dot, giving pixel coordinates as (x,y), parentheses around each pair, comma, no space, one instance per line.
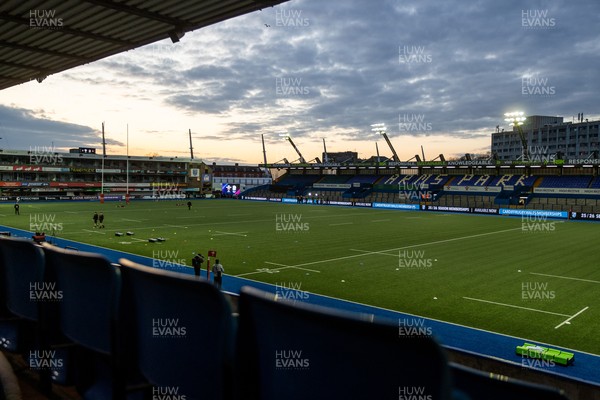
(46,37)
(289,139)
(382,130)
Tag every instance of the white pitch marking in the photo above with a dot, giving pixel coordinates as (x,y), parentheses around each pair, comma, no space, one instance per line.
(366,253)
(102,233)
(513,306)
(271,270)
(343,223)
(132,220)
(381,220)
(174,226)
(570,318)
(136,239)
(219,233)
(565,277)
(291,266)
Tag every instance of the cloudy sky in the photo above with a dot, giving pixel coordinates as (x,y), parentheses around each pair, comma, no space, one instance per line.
(438,74)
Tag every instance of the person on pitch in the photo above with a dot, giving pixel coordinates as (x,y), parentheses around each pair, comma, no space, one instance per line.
(217,271)
(197,263)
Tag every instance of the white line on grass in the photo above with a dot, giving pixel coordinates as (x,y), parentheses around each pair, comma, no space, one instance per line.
(513,306)
(138,240)
(565,277)
(180,226)
(570,318)
(342,223)
(132,220)
(102,233)
(381,220)
(268,270)
(292,266)
(219,233)
(383,253)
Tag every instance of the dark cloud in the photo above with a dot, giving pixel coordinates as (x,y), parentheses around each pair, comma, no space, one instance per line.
(21,129)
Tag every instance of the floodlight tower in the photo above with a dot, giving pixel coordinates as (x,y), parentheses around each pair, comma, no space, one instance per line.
(289,139)
(516,119)
(382,130)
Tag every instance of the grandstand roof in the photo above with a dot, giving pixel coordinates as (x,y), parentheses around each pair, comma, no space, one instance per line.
(42,37)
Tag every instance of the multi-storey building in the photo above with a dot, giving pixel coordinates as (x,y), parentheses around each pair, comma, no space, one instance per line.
(548,137)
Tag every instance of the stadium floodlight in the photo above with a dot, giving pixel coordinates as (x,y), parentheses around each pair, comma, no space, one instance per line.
(379,128)
(515,118)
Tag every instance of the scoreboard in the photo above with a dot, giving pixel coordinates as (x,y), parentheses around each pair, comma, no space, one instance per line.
(585,216)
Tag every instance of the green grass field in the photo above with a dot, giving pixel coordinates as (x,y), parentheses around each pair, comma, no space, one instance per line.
(484,272)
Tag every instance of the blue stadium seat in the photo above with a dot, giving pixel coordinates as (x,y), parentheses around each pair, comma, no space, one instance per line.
(299,351)
(22,269)
(177,332)
(477,385)
(89,287)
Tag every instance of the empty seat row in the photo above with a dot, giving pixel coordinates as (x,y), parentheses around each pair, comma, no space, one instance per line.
(130,331)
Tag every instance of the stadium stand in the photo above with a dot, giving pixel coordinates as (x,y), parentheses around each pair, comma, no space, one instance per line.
(176,331)
(85,315)
(21,263)
(476,385)
(566,182)
(199,360)
(325,354)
